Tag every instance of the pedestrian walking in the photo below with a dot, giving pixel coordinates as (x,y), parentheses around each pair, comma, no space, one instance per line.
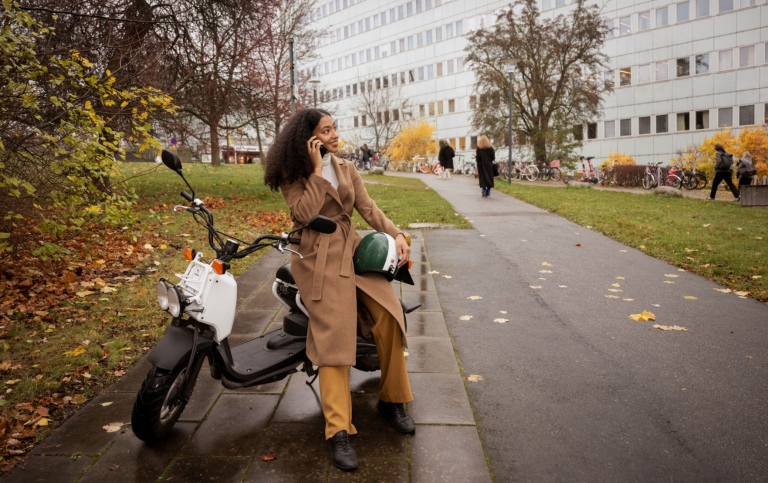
(485,156)
(745,170)
(366,156)
(723,168)
(303,165)
(445,157)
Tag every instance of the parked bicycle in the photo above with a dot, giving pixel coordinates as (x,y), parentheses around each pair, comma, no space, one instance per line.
(465,167)
(520,170)
(655,176)
(551,171)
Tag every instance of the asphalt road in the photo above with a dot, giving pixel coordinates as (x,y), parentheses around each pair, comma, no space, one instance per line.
(572,388)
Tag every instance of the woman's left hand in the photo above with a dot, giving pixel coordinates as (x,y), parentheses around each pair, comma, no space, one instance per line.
(403,250)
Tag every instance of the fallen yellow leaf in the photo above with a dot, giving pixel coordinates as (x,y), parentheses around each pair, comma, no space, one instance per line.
(619,278)
(465,317)
(615,285)
(724,290)
(447,276)
(670,327)
(669,281)
(474,297)
(84,293)
(545,264)
(535,286)
(501,321)
(42,422)
(615,290)
(112,427)
(610,296)
(74,352)
(671,275)
(643,316)
(475,378)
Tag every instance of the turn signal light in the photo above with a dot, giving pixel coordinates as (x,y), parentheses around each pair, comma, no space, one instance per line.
(189,253)
(219,267)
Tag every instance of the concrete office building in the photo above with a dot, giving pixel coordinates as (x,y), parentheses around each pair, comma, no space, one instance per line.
(681,70)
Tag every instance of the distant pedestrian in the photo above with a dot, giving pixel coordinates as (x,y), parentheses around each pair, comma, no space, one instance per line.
(445,157)
(366,156)
(723,168)
(745,170)
(485,156)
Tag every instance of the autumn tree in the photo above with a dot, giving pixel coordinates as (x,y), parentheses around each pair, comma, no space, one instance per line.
(57,144)
(381,105)
(414,140)
(558,82)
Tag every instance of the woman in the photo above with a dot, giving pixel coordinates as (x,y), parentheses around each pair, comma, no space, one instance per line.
(315,182)
(745,170)
(445,157)
(485,156)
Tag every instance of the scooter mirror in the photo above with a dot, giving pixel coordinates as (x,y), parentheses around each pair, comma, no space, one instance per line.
(171,160)
(322,224)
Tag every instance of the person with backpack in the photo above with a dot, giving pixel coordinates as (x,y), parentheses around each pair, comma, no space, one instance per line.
(745,170)
(723,167)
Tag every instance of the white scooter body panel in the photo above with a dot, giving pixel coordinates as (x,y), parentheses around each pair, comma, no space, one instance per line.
(212,298)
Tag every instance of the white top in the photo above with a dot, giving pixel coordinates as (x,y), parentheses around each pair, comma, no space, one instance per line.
(328,172)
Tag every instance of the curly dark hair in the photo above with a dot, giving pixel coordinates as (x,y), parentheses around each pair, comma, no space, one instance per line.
(288,159)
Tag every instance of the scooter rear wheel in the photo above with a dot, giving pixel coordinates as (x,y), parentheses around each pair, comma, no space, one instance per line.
(367,363)
(159,404)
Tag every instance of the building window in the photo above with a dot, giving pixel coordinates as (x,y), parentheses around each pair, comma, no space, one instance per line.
(449,62)
(643,73)
(440,69)
(394,80)
(683,121)
(422,112)
(609,80)
(430,71)
(462,144)
(609,28)
(460,27)
(431,108)
(625,25)
(702,8)
(410,42)
(683,11)
(726,5)
(473,142)
(472,103)
(364,120)
(662,71)
(747,56)
(578,132)
(429,4)
(662,16)
(356,121)
(625,127)
(459,64)
(391,15)
(546,4)
(702,64)
(451,105)
(702,119)
(383,17)
(419,6)
(400,12)
(449,31)
(765,116)
(421,73)
(610,129)
(592,130)
(683,67)
(411,77)
(749,3)
(409,9)
(644,125)
(439,108)
(429,36)
(725,60)
(643,20)
(625,76)
(419,40)
(438,34)
(378,83)
(746,115)
(662,124)
(725,117)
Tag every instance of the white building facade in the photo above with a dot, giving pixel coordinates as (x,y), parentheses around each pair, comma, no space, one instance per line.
(681,70)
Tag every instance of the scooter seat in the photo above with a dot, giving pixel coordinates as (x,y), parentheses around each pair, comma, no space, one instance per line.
(284,274)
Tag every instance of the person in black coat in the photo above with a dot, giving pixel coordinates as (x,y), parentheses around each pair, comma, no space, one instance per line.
(366,156)
(485,156)
(445,157)
(723,167)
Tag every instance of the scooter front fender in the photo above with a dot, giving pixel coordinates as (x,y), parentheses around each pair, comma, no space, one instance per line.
(175,346)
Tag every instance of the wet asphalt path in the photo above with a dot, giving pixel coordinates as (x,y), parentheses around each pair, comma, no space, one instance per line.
(573,389)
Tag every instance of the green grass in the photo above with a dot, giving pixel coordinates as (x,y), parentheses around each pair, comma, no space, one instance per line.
(720,240)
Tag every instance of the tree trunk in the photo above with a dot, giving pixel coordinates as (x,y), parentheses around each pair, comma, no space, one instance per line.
(215,151)
(262,157)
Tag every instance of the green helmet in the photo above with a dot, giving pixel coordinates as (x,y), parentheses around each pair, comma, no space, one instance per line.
(376,253)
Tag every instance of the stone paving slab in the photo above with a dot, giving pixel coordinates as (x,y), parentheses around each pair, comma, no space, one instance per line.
(223,434)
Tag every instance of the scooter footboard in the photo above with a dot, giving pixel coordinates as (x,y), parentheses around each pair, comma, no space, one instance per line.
(174,347)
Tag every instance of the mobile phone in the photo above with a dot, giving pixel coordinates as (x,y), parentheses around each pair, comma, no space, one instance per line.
(323,150)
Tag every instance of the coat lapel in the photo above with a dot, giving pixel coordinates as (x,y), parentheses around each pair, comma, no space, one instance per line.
(342,174)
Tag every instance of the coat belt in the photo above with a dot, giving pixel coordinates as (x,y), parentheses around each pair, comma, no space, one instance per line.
(344,222)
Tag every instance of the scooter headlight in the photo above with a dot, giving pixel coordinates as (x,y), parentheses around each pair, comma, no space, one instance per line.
(174,304)
(162,294)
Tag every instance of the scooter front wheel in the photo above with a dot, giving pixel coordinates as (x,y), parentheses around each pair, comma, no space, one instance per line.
(159,403)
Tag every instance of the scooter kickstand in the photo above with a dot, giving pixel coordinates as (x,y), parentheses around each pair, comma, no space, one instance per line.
(311,372)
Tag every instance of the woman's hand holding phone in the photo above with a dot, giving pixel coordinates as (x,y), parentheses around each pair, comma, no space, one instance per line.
(316,153)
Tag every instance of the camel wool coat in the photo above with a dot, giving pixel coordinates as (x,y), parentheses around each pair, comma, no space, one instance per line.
(325,276)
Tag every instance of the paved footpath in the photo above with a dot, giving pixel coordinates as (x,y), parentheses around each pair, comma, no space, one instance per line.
(572,388)
(223,434)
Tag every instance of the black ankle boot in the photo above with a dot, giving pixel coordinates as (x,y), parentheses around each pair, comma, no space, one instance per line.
(397,417)
(342,453)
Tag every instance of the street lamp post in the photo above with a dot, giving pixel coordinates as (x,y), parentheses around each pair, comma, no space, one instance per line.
(315,80)
(510,65)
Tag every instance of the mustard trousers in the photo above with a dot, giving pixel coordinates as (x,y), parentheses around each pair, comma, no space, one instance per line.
(335,396)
